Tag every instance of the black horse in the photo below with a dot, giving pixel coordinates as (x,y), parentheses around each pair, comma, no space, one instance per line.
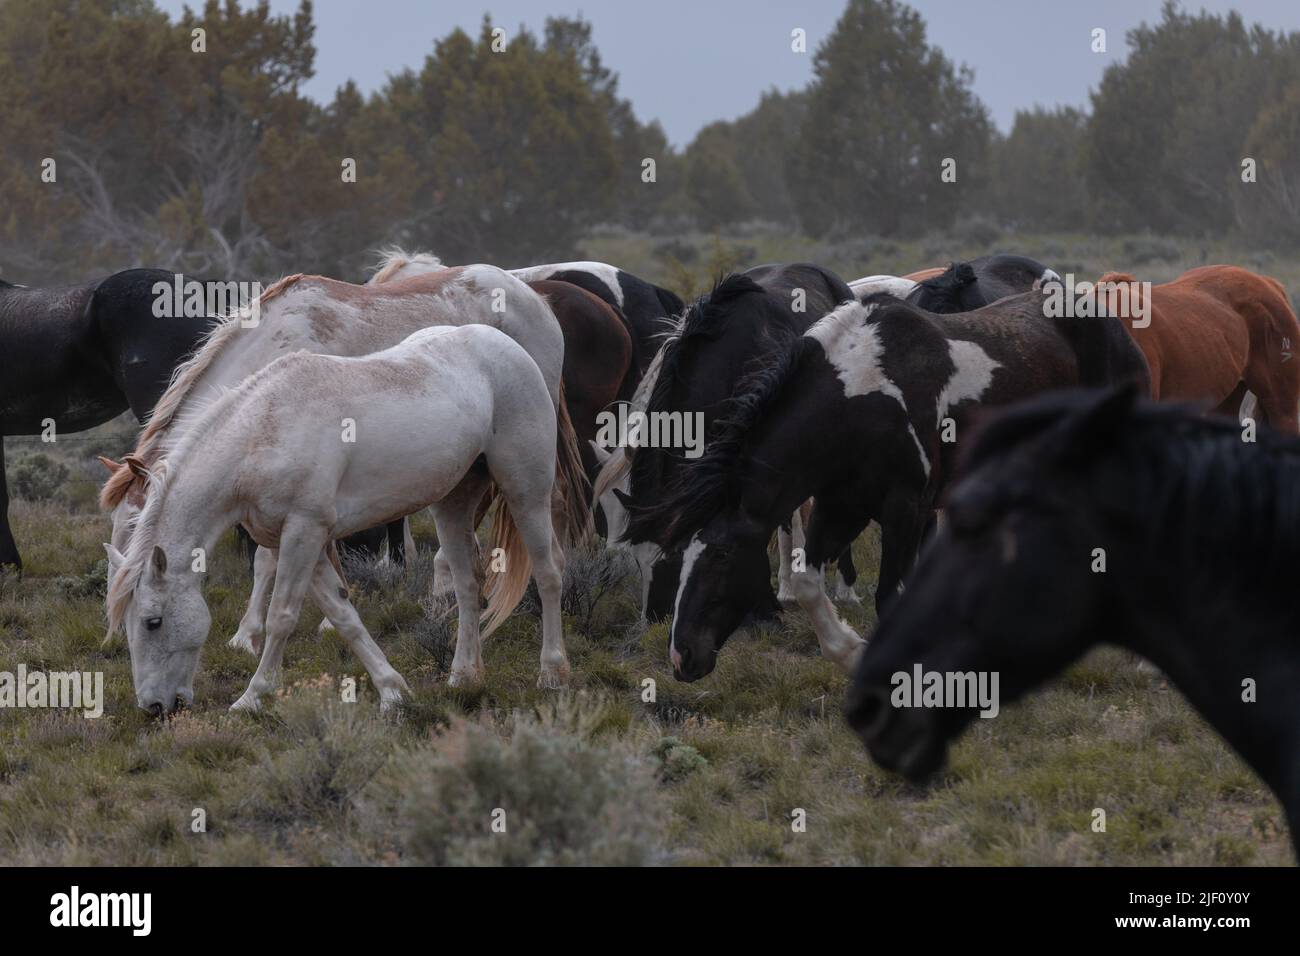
(722,336)
(863,413)
(81,355)
(966,286)
(1201,533)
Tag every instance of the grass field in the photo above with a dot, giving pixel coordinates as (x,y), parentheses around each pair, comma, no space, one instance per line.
(707,773)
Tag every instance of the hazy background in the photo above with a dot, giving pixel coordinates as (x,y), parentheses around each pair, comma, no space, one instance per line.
(687,63)
(678,138)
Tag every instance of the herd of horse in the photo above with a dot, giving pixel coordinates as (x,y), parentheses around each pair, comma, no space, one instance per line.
(1000,445)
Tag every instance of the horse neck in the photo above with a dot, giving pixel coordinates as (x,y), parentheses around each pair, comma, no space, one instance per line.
(194,513)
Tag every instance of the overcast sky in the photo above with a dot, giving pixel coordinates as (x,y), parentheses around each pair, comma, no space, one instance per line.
(689,62)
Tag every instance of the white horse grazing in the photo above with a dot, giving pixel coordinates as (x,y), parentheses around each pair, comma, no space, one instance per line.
(437,418)
(328,317)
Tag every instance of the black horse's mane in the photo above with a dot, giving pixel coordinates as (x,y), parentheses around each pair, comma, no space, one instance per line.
(703,487)
(702,319)
(1186,475)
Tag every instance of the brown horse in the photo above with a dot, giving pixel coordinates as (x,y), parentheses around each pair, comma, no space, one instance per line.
(597,358)
(1214,333)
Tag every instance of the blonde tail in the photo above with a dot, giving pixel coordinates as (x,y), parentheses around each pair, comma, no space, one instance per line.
(505,589)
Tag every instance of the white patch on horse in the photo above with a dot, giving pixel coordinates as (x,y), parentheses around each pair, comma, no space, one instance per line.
(894,285)
(971,377)
(853,347)
(601,270)
(691,555)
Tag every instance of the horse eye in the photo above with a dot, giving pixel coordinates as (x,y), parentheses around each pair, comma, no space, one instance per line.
(153,623)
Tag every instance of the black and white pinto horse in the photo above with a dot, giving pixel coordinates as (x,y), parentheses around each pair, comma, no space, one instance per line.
(721,338)
(964,286)
(862,413)
(1202,537)
(81,355)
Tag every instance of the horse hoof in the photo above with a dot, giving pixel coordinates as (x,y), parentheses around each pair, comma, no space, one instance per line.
(554,676)
(464,677)
(325,625)
(246,704)
(244,642)
(847,596)
(784,595)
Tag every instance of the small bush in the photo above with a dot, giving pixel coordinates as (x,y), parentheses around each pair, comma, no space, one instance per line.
(38,477)
(563,797)
(93,583)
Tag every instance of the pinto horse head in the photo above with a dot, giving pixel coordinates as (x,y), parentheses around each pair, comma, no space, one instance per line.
(1006,587)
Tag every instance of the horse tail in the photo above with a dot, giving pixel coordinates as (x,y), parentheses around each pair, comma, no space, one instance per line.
(505,589)
(612,472)
(571,483)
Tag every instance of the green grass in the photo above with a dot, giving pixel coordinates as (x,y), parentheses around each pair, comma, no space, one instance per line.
(708,773)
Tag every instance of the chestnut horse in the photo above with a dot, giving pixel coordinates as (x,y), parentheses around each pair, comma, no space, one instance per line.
(1215,332)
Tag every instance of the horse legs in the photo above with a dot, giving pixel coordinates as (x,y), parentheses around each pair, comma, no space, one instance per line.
(902,523)
(301,547)
(252,627)
(455,516)
(8,547)
(784,551)
(840,644)
(330,594)
(531,511)
(845,575)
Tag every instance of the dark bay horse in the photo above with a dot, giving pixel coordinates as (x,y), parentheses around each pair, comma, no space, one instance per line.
(1214,333)
(80,356)
(1202,536)
(721,337)
(863,413)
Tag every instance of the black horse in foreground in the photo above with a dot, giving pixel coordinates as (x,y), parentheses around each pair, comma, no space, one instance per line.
(81,355)
(966,286)
(1201,534)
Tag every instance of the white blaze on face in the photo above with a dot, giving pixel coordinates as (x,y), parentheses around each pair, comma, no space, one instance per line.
(691,555)
(971,377)
(853,347)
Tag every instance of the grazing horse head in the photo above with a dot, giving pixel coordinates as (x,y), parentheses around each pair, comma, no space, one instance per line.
(1006,586)
(165,618)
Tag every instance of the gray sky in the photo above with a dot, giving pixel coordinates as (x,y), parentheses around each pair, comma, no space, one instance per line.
(689,62)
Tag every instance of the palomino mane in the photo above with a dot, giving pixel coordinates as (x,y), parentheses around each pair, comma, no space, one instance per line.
(182,381)
(392,259)
(162,476)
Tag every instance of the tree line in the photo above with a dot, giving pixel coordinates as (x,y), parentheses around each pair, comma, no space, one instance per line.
(129,137)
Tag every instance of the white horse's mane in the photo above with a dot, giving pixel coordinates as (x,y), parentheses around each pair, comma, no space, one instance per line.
(391,259)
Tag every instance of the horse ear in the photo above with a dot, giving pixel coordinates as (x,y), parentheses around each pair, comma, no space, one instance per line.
(1093,426)
(137,467)
(115,558)
(109,464)
(601,453)
(158,561)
